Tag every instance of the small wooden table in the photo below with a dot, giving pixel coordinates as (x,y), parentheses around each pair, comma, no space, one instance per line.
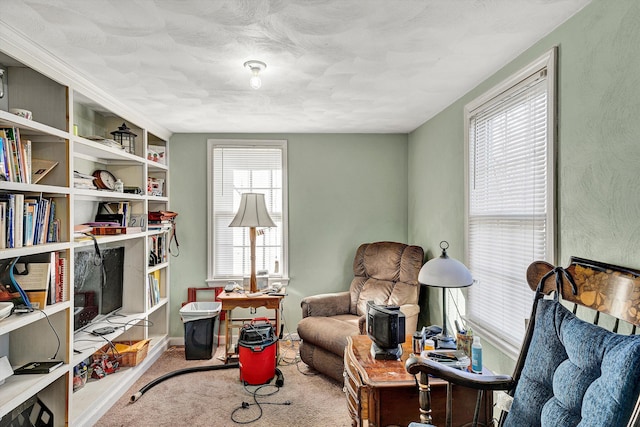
(382,392)
(236,300)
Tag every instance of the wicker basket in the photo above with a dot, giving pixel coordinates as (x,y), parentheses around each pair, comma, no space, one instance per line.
(126,353)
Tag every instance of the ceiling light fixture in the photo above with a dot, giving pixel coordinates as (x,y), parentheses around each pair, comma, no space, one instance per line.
(255,67)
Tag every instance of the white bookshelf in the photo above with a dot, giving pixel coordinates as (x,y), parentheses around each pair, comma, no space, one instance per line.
(61,99)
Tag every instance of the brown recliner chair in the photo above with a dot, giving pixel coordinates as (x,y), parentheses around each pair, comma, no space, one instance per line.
(386,273)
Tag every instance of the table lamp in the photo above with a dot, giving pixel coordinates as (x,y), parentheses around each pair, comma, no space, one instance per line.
(252,213)
(444,272)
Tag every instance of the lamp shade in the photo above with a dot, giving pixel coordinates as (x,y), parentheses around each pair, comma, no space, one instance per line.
(445,272)
(252,212)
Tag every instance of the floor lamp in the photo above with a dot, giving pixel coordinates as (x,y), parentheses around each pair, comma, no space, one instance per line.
(444,272)
(252,213)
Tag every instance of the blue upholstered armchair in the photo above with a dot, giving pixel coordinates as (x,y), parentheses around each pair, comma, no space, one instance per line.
(570,372)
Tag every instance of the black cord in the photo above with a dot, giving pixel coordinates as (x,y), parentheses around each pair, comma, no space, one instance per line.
(256,393)
(141,322)
(54,332)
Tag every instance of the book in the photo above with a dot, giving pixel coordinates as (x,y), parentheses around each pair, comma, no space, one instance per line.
(38,367)
(4,175)
(11,203)
(3,225)
(61,279)
(40,168)
(19,220)
(30,211)
(108,230)
(34,279)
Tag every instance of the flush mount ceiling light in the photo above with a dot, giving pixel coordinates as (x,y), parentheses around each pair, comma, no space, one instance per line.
(255,67)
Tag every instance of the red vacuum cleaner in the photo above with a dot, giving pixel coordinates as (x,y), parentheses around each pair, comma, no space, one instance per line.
(257,352)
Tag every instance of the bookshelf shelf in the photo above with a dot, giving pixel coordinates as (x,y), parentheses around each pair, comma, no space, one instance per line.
(46,190)
(59,105)
(16,322)
(31,127)
(157,267)
(155,166)
(98,195)
(16,388)
(84,241)
(96,150)
(35,249)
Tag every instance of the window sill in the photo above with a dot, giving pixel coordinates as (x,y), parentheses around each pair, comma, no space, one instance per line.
(221,282)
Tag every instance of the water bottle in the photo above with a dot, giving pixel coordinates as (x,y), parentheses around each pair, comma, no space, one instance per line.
(476,355)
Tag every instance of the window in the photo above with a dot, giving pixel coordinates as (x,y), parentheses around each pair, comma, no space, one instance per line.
(237,167)
(510,198)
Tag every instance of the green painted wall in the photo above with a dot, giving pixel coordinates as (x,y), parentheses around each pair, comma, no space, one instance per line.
(344,190)
(598,147)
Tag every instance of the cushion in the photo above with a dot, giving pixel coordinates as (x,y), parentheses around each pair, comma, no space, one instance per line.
(329,333)
(576,373)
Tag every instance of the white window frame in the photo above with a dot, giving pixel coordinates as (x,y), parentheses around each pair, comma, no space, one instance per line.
(545,64)
(283,276)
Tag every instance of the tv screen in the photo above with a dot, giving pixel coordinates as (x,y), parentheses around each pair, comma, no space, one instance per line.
(98,284)
(386,328)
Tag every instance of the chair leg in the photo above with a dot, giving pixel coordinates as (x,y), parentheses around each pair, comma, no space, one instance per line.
(424,397)
(449,407)
(476,413)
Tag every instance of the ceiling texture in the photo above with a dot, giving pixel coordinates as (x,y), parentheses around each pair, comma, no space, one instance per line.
(354,66)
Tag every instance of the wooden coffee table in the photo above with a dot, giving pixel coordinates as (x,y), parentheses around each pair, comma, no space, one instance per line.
(381,392)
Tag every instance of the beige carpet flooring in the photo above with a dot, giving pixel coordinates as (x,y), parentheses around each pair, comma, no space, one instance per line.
(210,398)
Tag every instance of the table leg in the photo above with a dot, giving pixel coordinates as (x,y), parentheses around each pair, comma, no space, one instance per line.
(227,336)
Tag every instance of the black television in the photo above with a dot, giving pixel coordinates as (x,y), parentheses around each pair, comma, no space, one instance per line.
(97,285)
(386,328)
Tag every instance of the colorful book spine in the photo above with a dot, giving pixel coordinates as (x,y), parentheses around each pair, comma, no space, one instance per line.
(4,173)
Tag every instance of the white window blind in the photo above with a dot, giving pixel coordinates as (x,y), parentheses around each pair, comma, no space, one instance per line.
(237,169)
(510,211)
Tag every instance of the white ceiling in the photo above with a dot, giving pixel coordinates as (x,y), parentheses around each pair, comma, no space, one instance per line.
(370,66)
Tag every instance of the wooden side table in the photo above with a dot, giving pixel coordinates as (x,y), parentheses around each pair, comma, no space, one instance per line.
(382,392)
(237,300)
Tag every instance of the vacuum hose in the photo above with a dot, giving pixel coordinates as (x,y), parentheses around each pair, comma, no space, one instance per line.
(158,380)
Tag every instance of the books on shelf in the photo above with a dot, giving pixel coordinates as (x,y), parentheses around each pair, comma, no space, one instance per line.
(43,277)
(158,249)
(153,288)
(114,212)
(27,221)
(15,159)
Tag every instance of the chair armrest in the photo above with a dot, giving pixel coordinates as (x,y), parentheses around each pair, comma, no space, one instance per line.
(325,305)
(417,364)
(410,310)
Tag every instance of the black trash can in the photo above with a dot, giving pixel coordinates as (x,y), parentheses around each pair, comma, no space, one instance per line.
(200,325)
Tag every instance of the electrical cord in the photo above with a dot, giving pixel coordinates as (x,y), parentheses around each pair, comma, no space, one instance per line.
(54,332)
(140,322)
(256,393)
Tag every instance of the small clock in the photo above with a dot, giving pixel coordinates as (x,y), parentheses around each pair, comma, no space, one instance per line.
(105,179)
